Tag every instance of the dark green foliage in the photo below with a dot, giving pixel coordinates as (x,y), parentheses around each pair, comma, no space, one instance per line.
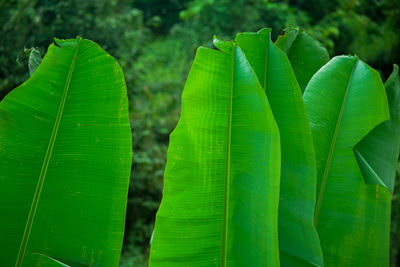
(395,224)
(154,42)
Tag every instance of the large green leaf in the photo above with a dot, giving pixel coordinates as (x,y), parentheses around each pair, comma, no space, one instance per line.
(65,150)
(221,191)
(298,240)
(345,100)
(378,152)
(305,53)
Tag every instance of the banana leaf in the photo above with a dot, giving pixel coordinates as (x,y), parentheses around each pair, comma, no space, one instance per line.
(345,100)
(65,149)
(306,54)
(298,239)
(378,152)
(221,189)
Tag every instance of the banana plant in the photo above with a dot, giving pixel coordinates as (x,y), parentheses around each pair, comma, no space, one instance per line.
(221,189)
(298,240)
(306,54)
(65,149)
(345,100)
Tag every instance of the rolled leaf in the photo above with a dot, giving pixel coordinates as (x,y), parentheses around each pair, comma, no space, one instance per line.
(221,189)
(345,100)
(298,240)
(378,152)
(306,54)
(65,149)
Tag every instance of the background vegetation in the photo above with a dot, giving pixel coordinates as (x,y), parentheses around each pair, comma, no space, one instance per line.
(155,41)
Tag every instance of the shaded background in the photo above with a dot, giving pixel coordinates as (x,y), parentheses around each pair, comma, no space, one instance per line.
(155,41)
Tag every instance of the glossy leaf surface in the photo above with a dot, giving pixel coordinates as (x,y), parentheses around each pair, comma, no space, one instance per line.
(306,54)
(378,152)
(298,240)
(221,189)
(65,149)
(345,100)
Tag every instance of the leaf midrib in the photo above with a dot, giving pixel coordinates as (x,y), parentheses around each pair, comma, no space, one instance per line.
(332,148)
(46,161)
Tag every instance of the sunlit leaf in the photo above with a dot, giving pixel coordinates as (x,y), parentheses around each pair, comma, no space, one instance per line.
(221,190)
(345,100)
(298,240)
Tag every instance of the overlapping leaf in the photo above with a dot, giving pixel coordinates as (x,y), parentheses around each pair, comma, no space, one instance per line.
(377,153)
(221,191)
(345,100)
(305,53)
(298,240)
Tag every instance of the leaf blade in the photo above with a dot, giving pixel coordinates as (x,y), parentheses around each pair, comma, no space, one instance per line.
(353,220)
(306,54)
(378,152)
(94,114)
(298,239)
(196,172)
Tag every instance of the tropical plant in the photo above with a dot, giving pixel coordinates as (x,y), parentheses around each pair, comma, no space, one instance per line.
(65,150)
(336,175)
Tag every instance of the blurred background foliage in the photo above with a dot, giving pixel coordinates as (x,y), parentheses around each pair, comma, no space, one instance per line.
(155,42)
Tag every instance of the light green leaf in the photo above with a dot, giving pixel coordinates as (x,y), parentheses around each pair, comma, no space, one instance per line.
(305,53)
(65,150)
(221,190)
(378,152)
(298,240)
(345,100)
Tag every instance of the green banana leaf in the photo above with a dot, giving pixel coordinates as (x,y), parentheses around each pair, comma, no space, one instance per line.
(306,54)
(221,189)
(298,239)
(65,149)
(378,152)
(345,100)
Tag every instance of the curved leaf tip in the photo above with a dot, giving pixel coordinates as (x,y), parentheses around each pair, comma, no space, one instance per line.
(60,42)
(225,46)
(265,32)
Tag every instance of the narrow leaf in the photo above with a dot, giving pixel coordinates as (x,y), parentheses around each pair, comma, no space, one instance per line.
(345,100)
(306,54)
(298,240)
(221,190)
(65,150)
